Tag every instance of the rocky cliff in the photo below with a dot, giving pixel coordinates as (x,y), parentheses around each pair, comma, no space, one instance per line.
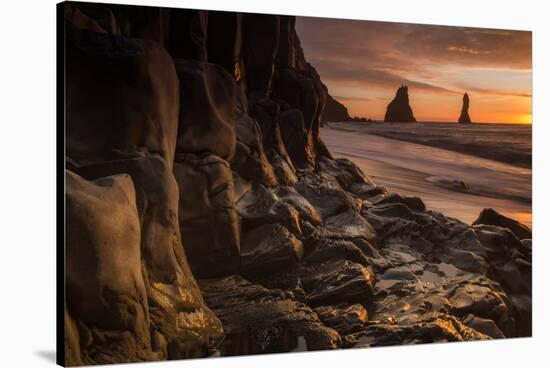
(206,217)
(399,110)
(335,111)
(464,116)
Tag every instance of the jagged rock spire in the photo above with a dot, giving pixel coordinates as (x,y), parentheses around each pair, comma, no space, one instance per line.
(399,109)
(464,116)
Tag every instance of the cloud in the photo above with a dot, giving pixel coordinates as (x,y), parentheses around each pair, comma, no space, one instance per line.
(362,61)
(496,92)
(467,50)
(400,43)
(352,98)
(359,74)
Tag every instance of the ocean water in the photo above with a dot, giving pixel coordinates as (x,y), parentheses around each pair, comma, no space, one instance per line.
(458,180)
(510,143)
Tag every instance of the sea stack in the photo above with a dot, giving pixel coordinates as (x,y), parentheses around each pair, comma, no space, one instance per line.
(399,110)
(464,116)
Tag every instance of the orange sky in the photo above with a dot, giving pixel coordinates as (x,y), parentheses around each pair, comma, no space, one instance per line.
(364,62)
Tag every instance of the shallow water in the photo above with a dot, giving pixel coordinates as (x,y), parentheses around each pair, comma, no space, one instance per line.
(508,143)
(409,168)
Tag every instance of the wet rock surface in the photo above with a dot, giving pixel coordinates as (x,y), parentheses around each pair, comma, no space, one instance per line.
(491,217)
(220,175)
(259,320)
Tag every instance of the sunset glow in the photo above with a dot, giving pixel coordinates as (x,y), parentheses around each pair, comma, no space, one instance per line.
(363,63)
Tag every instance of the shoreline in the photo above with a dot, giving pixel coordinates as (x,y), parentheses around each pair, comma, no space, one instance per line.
(409,169)
(471,145)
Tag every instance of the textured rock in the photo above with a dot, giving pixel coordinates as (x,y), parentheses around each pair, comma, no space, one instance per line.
(261,206)
(259,320)
(296,138)
(399,110)
(491,217)
(260,40)
(207,114)
(177,312)
(105,287)
(208,219)
(339,282)
(435,329)
(250,160)
(464,116)
(269,248)
(266,112)
(343,318)
(121,94)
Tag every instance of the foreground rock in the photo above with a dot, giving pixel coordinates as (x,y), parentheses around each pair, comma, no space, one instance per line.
(399,110)
(259,320)
(98,251)
(491,217)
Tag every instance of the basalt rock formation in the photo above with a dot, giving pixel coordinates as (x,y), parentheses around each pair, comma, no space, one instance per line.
(399,110)
(464,116)
(335,111)
(206,217)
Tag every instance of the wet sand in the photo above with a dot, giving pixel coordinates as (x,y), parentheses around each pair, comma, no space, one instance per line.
(414,169)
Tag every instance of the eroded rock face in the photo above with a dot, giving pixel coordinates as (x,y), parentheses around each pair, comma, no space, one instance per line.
(491,217)
(177,311)
(464,116)
(207,114)
(121,94)
(179,324)
(399,110)
(187,34)
(260,41)
(208,218)
(250,160)
(105,287)
(260,320)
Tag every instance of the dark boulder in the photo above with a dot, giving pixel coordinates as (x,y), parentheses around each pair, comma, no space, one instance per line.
(260,320)
(337,282)
(269,248)
(344,318)
(103,243)
(175,302)
(491,217)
